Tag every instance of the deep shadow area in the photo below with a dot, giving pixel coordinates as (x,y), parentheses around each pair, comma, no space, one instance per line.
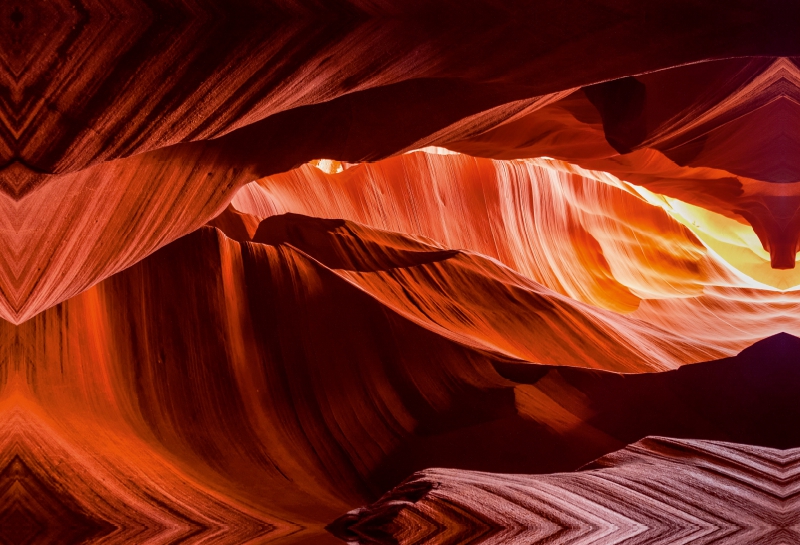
(33,512)
(567,417)
(750,398)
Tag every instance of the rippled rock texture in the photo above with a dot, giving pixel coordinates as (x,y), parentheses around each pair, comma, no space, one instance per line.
(261,260)
(657,490)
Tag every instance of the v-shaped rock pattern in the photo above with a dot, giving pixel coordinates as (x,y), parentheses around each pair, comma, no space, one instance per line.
(33,512)
(656,491)
(53,491)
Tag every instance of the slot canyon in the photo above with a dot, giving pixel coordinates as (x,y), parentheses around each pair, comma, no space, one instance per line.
(399,272)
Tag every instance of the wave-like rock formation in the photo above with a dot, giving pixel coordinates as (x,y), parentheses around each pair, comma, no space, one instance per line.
(132,105)
(585,234)
(727,144)
(656,491)
(261,260)
(475,300)
(56,490)
(218,372)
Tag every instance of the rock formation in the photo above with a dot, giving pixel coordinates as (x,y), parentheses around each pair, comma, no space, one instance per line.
(261,261)
(657,490)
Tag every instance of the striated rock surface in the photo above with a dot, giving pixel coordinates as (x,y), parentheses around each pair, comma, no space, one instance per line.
(58,488)
(658,490)
(260,261)
(726,142)
(227,371)
(585,234)
(586,239)
(93,81)
(176,106)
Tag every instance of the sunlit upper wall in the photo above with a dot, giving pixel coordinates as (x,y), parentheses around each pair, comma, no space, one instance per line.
(732,244)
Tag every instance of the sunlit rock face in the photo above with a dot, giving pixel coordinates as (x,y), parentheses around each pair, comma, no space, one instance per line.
(718,134)
(261,262)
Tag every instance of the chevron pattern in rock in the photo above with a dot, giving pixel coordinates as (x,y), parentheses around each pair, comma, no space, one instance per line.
(657,491)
